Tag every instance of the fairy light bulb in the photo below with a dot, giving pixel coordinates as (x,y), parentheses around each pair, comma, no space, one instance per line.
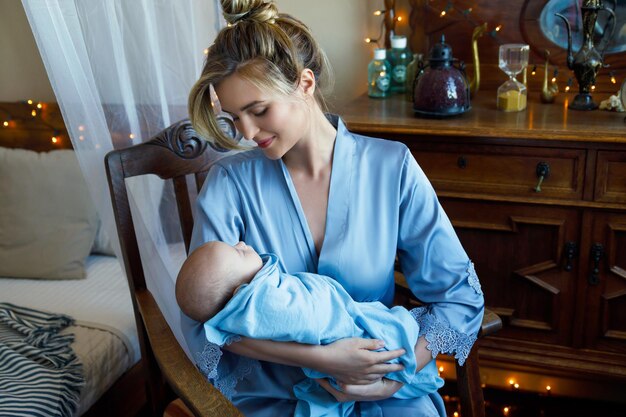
(54,139)
(33,113)
(505,411)
(378,12)
(29,101)
(5,123)
(399,18)
(511,381)
(132,136)
(566,88)
(497,29)
(553,79)
(516,386)
(548,388)
(442,14)
(368,40)
(205,51)
(613,80)
(593,87)
(441,369)
(39,105)
(456,414)
(81,128)
(534,71)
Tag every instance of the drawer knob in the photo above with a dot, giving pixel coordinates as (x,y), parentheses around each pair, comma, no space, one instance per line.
(543,171)
(461,162)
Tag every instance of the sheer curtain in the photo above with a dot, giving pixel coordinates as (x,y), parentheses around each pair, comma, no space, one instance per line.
(121,71)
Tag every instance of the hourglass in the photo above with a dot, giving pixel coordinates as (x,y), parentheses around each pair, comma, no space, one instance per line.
(513,59)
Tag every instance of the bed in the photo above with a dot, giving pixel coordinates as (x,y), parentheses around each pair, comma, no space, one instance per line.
(104,329)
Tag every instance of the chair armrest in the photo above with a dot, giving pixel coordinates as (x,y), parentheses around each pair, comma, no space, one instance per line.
(202,398)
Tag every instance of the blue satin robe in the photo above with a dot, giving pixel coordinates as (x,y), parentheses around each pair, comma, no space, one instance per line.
(380,204)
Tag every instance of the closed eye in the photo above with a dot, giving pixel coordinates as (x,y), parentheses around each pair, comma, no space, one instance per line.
(260,113)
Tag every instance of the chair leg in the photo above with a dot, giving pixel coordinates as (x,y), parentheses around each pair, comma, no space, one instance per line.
(469,385)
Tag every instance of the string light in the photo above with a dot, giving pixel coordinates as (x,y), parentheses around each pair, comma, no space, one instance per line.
(81,128)
(205,51)
(39,105)
(534,71)
(613,80)
(132,136)
(593,88)
(5,123)
(33,113)
(30,102)
(505,411)
(456,414)
(378,12)
(442,14)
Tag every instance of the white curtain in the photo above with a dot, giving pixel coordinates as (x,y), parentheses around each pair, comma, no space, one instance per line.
(121,71)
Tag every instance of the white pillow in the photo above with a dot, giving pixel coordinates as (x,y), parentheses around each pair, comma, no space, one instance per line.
(47,218)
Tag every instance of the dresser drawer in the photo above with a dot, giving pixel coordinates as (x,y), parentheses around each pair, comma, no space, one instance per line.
(502,170)
(610,177)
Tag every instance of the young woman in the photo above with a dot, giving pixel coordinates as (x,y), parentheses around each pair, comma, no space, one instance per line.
(325,201)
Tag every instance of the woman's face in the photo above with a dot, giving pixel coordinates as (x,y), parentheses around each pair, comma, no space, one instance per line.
(274,122)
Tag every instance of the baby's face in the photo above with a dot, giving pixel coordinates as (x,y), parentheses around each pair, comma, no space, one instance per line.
(248,262)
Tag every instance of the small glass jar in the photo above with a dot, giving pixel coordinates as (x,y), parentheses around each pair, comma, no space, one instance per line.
(379,75)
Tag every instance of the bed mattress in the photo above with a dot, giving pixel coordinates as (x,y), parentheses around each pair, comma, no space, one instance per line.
(105,333)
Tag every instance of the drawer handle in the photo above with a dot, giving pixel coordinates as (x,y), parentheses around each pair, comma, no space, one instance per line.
(461,162)
(543,171)
(597,253)
(571,251)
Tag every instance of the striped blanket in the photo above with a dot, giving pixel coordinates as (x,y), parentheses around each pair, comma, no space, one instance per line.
(39,372)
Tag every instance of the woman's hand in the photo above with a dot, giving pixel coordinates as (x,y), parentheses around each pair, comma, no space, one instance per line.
(378,390)
(354,361)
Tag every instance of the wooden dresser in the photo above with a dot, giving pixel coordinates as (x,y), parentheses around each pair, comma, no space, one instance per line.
(551,259)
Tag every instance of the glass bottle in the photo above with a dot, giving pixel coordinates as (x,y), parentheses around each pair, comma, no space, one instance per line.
(379,75)
(411,73)
(399,58)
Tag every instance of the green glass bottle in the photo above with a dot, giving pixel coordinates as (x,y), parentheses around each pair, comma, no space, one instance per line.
(379,75)
(399,58)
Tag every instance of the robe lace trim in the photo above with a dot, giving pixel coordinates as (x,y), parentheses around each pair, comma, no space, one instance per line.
(441,337)
(208,361)
(472,278)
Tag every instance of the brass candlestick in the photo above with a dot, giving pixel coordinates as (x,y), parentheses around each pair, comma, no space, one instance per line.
(588,60)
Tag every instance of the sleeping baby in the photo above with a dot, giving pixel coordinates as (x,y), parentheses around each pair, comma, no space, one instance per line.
(237,292)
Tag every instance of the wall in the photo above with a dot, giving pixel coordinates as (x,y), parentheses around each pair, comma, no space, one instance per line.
(22,74)
(340,27)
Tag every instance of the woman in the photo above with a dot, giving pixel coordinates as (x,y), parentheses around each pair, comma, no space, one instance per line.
(325,201)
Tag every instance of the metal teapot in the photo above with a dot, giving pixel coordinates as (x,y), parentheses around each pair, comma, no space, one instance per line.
(588,60)
(440,88)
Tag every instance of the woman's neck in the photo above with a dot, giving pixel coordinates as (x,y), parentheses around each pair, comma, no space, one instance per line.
(312,156)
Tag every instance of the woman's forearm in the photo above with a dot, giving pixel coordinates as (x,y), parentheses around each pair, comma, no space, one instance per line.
(285,353)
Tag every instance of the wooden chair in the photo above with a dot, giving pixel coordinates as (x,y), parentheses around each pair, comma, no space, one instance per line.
(177,154)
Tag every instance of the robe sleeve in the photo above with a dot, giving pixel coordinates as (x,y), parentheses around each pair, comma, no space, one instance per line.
(218,210)
(436,267)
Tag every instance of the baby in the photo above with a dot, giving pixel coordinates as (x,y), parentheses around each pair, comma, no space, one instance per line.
(237,293)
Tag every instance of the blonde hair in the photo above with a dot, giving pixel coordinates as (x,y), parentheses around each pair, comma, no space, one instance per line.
(268,49)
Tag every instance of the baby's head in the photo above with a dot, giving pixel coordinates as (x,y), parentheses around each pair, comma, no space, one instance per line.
(210,276)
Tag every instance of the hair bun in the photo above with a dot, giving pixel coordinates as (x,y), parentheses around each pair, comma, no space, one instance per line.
(261,11)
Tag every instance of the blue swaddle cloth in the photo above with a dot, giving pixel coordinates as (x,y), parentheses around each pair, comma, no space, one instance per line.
(315,309)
